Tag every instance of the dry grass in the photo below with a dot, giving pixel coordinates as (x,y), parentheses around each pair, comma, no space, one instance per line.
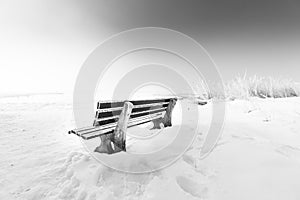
(262,87)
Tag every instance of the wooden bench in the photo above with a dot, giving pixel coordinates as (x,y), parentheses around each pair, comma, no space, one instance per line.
(114,117)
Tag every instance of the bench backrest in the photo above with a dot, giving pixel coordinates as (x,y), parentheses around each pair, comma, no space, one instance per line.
(143,111)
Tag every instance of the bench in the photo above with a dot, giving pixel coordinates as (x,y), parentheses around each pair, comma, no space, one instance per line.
(112,119)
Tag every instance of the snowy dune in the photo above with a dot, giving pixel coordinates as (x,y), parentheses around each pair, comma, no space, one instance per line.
(258,156)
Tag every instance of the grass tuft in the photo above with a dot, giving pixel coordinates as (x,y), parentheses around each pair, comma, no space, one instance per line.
(262,87)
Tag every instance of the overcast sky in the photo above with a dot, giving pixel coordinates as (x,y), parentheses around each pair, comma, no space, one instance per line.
(43,43)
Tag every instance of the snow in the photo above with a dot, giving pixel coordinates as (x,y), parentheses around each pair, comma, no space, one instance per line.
(257,157)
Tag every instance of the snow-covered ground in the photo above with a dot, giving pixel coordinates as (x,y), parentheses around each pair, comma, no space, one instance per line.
(258,156)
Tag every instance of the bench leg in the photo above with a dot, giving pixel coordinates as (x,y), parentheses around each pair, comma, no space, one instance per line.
(119,135)
(167,119)
(156,123)
(105,146)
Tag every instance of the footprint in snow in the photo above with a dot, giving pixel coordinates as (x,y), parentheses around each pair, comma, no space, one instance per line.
(289,151)
(191,187)
(243,137)
(189,160)
(196,165)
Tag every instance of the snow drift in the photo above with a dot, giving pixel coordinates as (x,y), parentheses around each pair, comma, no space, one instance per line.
(258,156)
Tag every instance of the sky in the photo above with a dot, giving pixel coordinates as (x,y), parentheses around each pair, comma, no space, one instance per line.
(43,43)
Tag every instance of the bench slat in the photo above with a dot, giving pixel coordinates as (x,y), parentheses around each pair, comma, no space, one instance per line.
(148,111)
(113,104)
(133,114)
(82,129)
(137,106)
